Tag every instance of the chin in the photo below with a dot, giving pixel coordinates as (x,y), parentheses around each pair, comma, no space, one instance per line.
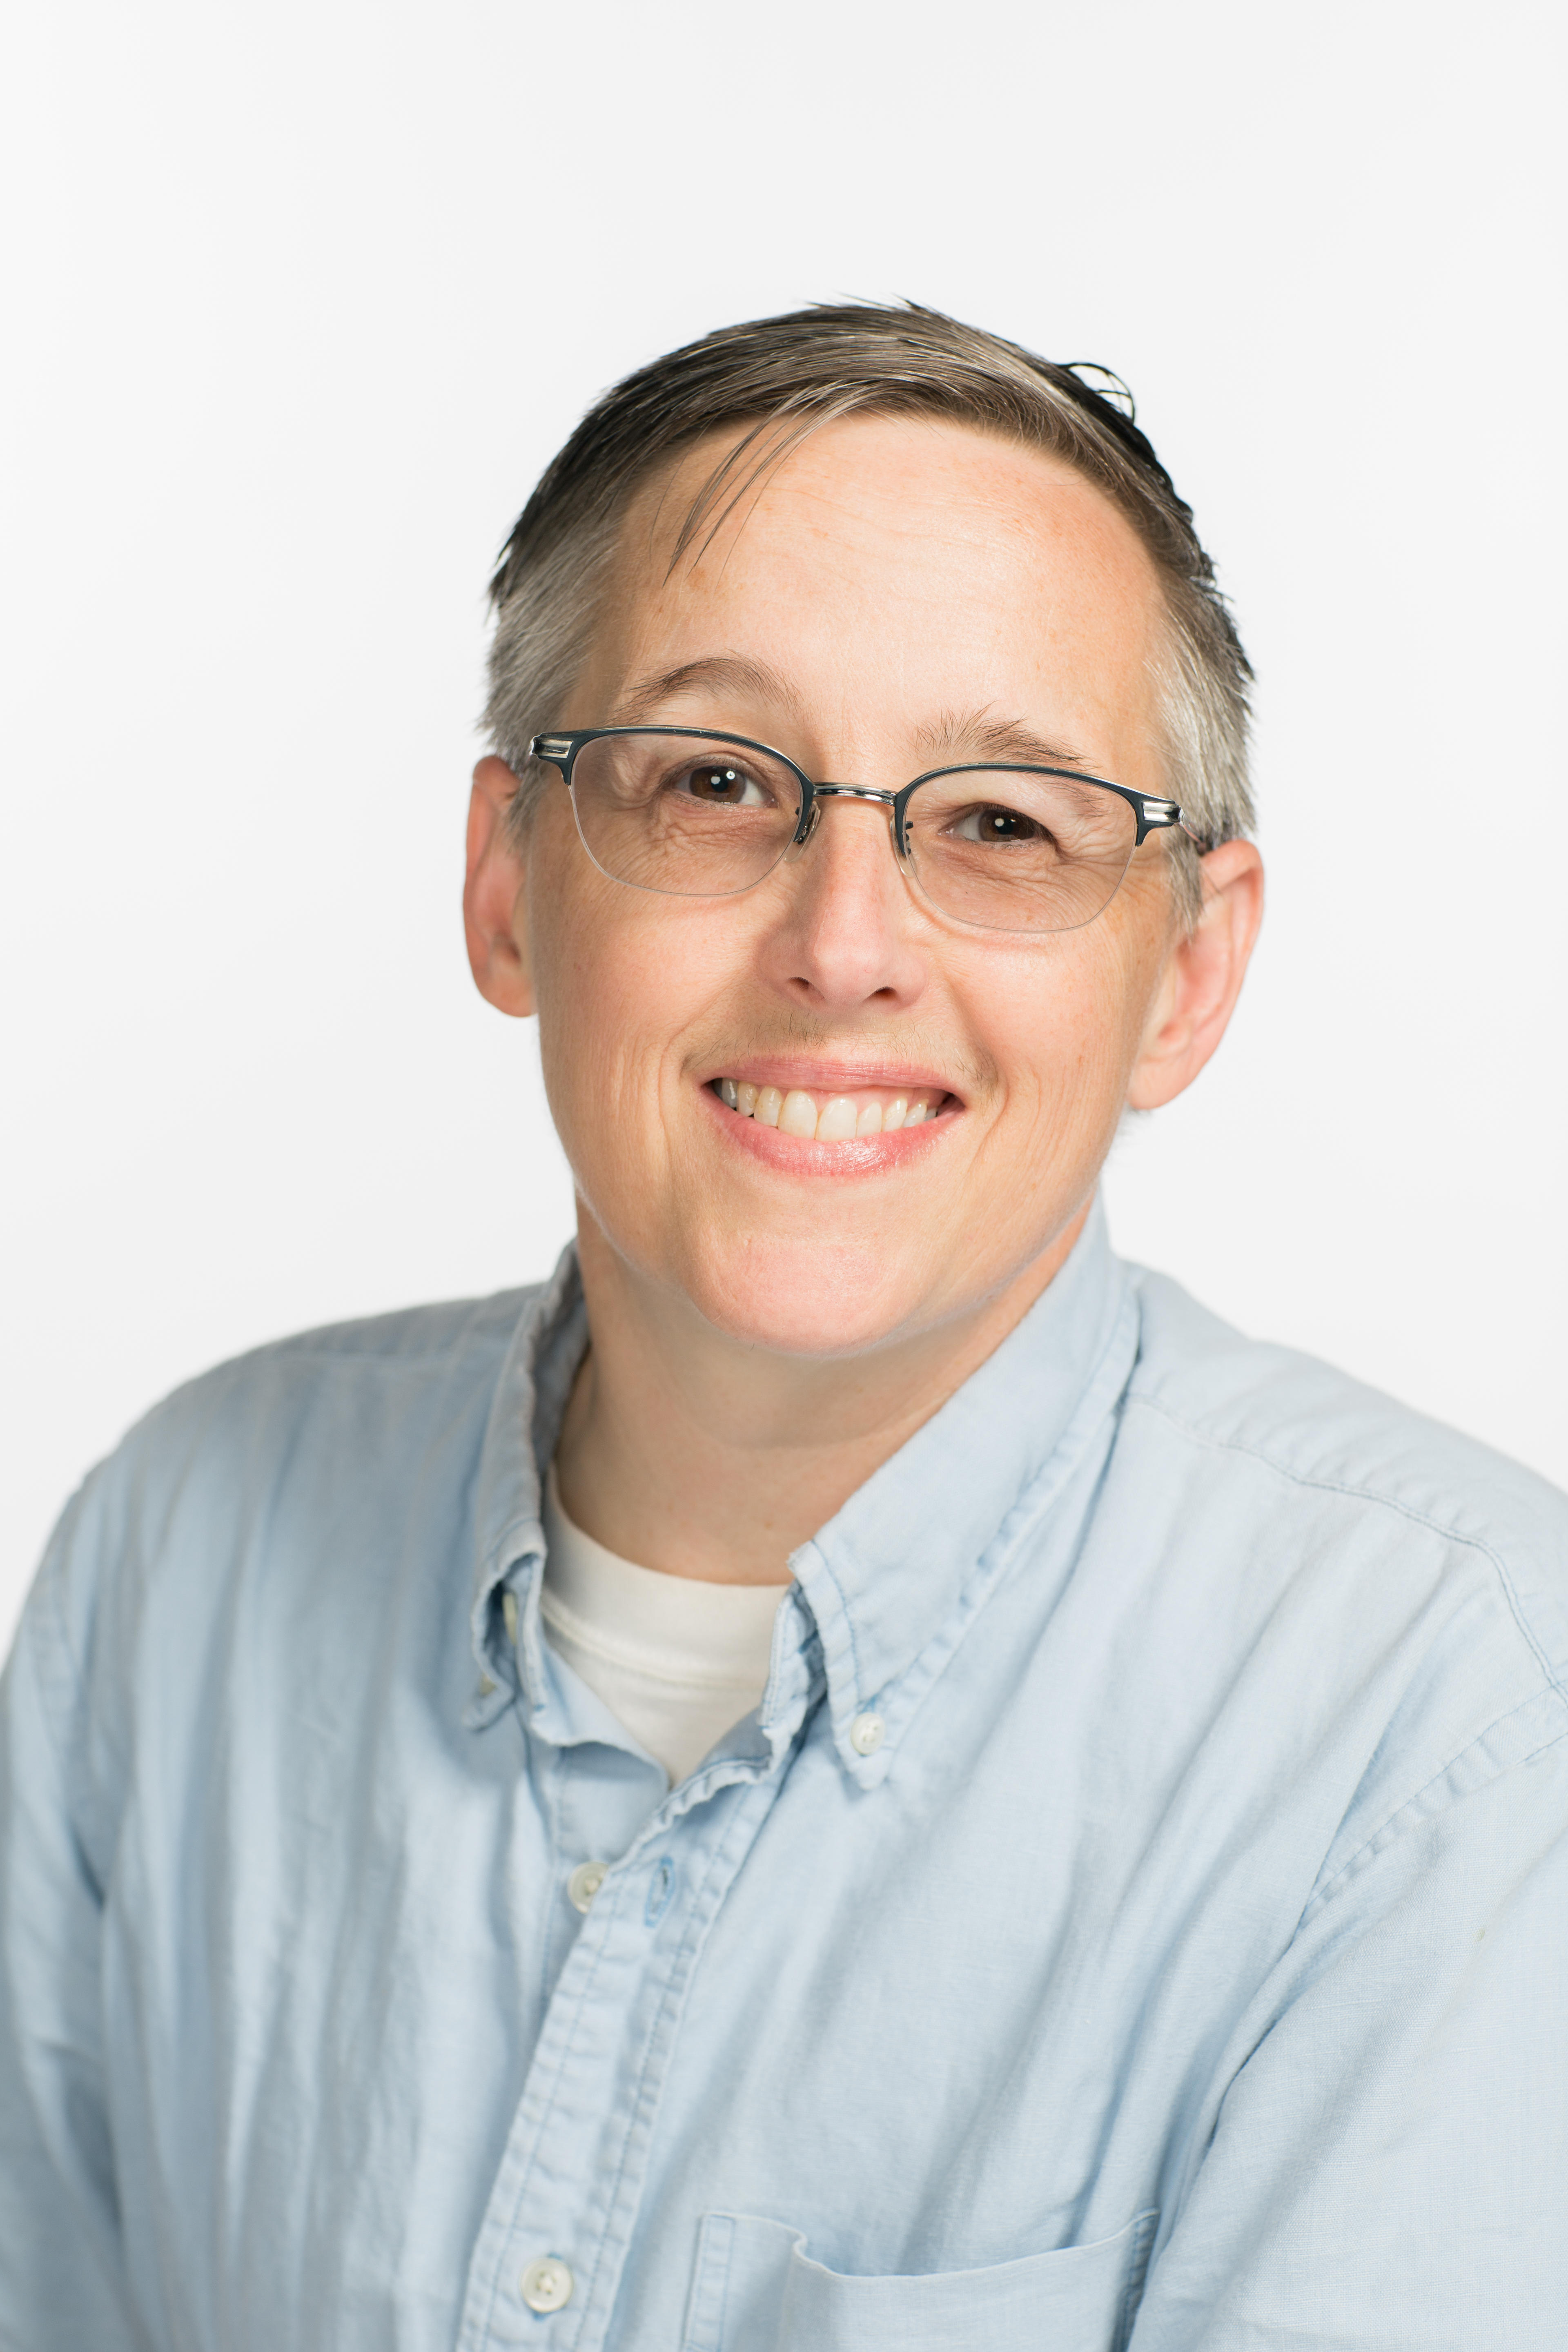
(806,1299)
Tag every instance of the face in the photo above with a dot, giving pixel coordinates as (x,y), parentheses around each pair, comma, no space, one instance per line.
(903,595)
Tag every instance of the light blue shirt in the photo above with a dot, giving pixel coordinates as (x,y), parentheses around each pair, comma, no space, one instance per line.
(1137,1912)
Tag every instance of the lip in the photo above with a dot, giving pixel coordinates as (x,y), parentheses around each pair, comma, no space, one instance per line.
(795,1155)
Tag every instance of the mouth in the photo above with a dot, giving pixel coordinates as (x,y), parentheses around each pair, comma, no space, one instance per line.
(825,1112)
(824,1116)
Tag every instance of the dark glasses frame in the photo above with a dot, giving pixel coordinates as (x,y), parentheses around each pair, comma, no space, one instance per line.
(1151,813)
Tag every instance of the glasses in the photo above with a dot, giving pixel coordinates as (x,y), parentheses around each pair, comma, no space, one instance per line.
(702,814)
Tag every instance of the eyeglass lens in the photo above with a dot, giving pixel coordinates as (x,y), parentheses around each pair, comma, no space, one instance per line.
(1006,850)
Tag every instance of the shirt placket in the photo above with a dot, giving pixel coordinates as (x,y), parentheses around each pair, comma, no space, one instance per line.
(550,2252)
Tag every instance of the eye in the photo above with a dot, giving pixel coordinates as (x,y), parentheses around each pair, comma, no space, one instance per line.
(994,824)
(722,784)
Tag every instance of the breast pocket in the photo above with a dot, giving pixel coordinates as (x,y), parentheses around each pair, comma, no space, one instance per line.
(756,2289)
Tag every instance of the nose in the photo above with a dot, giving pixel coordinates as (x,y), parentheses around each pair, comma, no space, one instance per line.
(846,933)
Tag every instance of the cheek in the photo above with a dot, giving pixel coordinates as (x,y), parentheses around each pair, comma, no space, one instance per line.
(619,981)
(1062,1023)
(587,990)
(598,1010)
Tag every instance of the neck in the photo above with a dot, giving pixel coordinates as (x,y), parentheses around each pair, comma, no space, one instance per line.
(687,1451)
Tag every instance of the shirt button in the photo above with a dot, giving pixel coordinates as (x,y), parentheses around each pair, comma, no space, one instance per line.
(547,2284)
(581,1887)
(866,1734)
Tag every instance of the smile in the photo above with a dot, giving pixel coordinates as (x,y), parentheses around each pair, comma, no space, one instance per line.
(827,1117)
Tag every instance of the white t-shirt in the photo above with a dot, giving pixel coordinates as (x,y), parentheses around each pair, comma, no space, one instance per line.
(677,1661)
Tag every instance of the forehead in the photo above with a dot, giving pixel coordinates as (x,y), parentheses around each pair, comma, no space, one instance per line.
(892,562)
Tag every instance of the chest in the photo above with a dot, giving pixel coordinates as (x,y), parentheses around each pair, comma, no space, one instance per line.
(397,2049)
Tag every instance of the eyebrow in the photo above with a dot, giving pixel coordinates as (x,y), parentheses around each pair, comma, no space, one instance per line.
(976,735)
(727,674)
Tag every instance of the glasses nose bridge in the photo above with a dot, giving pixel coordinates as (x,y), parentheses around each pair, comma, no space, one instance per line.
(851,793)
(886,801)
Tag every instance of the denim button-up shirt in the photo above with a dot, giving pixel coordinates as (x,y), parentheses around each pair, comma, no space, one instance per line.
(1186,1963)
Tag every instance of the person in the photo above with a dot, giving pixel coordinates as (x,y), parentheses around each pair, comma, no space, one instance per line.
(850,1771)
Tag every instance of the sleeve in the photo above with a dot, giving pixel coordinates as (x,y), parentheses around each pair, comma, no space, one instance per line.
(61,2272)
(1388,2164)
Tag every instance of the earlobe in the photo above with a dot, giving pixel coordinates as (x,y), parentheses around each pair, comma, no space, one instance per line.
(1202,980)
(494,913)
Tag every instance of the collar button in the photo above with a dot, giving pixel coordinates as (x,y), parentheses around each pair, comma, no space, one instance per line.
(866,1734)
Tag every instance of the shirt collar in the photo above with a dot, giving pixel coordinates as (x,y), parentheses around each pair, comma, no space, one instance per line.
(890,1582)
(893,1580)
(519,1441)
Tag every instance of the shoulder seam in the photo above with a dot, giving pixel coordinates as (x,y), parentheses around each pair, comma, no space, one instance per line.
(1377,1839)
(307,1346)
(1386,1502)
(323,1346)
(57,1674)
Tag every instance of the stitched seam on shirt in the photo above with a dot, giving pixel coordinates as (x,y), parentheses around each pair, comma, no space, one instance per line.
(94,1822)
(684,1963)
(241,1368)
(695,2335)
(567,2043)
(1370,1495)
(1144,2230)
(56,1672)
(1019,1522)
(988,1571)
(1387,1834)
(846,1629)
(385,1360)
(536,2139)
(552,1769)
(328,1346)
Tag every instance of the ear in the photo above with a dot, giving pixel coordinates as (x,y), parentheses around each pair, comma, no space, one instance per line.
(1202,978)
(495,909)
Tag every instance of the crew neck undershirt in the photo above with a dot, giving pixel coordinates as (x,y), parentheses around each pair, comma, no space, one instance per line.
(677,1659)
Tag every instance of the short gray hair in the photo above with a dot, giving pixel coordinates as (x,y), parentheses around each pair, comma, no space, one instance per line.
(783,377)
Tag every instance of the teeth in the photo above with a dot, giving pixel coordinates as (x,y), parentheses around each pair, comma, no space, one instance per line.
(837,1120)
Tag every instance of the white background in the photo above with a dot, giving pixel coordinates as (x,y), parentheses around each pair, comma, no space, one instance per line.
(305,295)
